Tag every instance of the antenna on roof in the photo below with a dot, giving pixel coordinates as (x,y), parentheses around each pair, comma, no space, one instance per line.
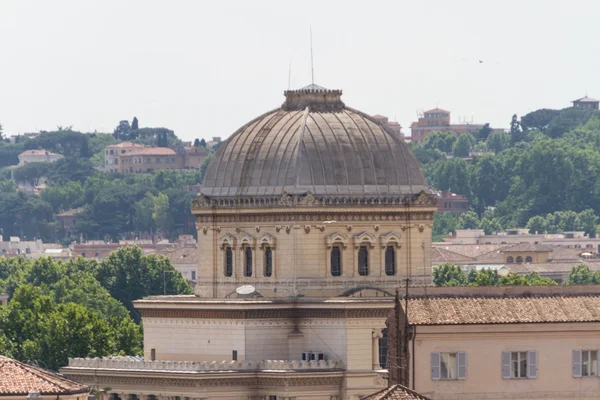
(312,68)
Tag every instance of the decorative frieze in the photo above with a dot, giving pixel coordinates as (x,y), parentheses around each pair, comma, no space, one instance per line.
(313,217)
(125,363)
(309,200)
(264,314)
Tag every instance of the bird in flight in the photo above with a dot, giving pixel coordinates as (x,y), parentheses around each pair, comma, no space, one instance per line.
(329,222)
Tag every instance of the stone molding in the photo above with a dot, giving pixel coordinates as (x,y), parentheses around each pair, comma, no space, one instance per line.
(336,238)
(314,217)
(124,363)
(264,314)
(309,200)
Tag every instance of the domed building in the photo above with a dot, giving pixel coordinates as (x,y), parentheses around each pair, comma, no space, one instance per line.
(310,217)
(315,198)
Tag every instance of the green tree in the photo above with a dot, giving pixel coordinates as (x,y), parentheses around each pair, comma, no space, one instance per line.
(484,132)
(469,220)
(448,275)
(490,226)
(442,141)
(129,275)
(443,224)
(498,141)
(516,134)
(135,124)
(463,145)
(580,275)
(203,143)
(122,131)
(160,211)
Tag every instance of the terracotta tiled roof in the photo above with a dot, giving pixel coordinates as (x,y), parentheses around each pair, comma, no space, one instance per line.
(124,144)
(152,151)
(508,309)
(396,392)
(434,110)
(17,378)
(38,153)
(185,255)
(470,250)
(527,247)
(440,254)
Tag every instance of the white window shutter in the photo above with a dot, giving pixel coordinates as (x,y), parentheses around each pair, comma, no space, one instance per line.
(532,364)
(577,363)
(435,366)
(462,365)
(506,365)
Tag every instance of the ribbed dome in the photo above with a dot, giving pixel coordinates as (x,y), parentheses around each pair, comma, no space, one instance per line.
(313,143)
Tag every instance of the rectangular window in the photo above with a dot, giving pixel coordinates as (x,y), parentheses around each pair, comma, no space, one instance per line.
(449,366)
(158,160)
(585,363)
(519,364)
(193,275)
(518,368)
(336,261)
(152,354)
(228,261)
(363,261)
(589,363)
(390,260)
(248,261)
(272,397)
(268,262)
(234,355)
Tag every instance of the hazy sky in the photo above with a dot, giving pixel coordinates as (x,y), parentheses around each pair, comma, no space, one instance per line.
(204,68)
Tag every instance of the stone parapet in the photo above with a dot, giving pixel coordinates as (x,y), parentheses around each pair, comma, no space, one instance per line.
(124,363)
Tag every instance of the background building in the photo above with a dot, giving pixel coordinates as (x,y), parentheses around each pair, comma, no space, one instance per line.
(438,119)
(586,102)
(36,156)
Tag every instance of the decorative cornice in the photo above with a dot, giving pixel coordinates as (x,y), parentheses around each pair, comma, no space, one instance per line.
(290,313)
(316,217)
(251,379)
(309,200)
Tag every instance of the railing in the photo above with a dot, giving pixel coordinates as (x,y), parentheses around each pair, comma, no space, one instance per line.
(202,366)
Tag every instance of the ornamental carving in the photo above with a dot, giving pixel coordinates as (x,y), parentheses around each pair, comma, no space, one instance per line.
(227,240)
(308,200)
(285,199)
(247,240)
(267,240)
(294,314)
(336,239)
(364,238)
(201,201)
(424,199)
(391,239)
(307,228)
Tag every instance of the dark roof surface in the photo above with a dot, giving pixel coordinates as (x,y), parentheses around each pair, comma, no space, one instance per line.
(314,143)
(481,309)
(396,392)
(17,378)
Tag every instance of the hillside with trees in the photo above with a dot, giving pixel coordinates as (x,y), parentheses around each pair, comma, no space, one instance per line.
(115,206)
(543,174)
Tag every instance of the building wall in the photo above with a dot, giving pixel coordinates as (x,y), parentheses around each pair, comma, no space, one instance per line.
(302,256)
(484,345)
(36,158)
(130,164)
(536,257)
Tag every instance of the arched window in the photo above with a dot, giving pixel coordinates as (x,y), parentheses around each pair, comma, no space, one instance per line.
(228,261)
(390,260)
(528,259)
(247,261)
(336,261)
(519,259)
(268,261)
(383,349)
(363,260)
(510,260)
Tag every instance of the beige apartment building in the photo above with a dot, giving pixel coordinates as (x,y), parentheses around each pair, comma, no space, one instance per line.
(502,342)
(131,158)
(309,217)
